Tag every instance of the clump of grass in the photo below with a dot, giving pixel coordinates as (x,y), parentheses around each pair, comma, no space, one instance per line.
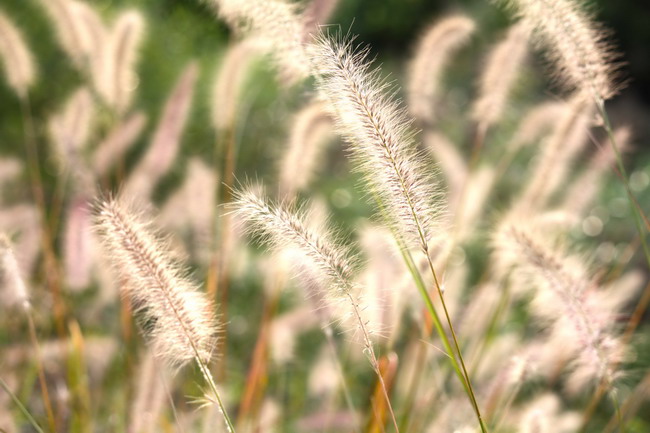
(454,301)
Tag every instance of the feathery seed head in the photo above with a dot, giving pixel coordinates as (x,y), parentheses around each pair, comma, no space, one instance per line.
(380,138)
(499,75)
(166,138)
(117,143)
(432,54)
(13,291)
(558,153)
(119,77)
(229,81)
(79,244)
(310,130)
(575,44)
(321,258)
(275,21)
(567,299)
(280,226)
(16,57)
(178,318)
(70,129)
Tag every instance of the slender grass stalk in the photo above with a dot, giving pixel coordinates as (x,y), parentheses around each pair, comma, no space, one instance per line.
(47,402)
(11,280)
(21,406)
(38,192)
(279,225)
(636,211)
(184,327)
(378,131)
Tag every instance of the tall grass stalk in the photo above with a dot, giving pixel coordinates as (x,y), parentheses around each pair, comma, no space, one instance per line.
(279,226)
(22,407)
(377,130)
(184,327)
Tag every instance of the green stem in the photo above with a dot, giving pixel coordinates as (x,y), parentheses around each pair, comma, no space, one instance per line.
(22,407)
(621,168)
(457,346)
(215,393)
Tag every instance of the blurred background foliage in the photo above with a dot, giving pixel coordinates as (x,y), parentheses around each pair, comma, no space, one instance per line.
(178,31)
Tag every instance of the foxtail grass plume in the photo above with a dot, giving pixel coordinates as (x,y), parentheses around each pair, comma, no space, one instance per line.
(192,208)
(584,189)
(178,319)
(117,79)
(434,50)
(73,29)
(310,130)
(279,227)
(450,160)
(117,142)
(499,75)
(166,138)
(582,320)
(70,129)
(575,44)
(558,153)
(78,243)
(276,22)
(378,131)
(93,36)
(536,124)
(16,57)
(478,190)
(106,54)
(229,82)
(13,291)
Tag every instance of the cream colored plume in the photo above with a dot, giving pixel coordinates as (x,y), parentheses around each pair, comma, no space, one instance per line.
(19,66)
(434,50)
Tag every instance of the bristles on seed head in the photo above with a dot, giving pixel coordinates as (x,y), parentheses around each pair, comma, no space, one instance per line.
(566,298)
(436,46)
(229,82)
(178,319)
(118,78)
(379,134)
(499,75)
(166,138)
(70,129)
(13,291)
(575,44)
(275,21)
(117,142)
(16,57)
(279,226)
(311,128)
